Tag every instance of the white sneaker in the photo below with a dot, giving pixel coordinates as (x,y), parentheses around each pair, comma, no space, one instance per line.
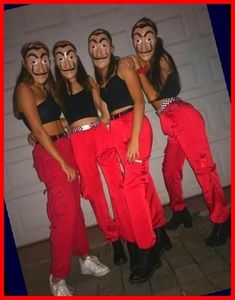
(91,265)
(60,288)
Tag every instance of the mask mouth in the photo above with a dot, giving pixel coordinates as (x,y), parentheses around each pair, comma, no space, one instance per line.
(68,70)
(99,58)
(40,74)
(145,52)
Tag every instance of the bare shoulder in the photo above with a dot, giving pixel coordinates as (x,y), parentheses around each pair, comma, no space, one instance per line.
(24,93)
(123,69)
(23,87)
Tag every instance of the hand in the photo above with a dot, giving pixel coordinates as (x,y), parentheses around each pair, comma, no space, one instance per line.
(31,139)
(105,121)
(128,62)
(136,61)
(69,130)
(133,151)
(69,171)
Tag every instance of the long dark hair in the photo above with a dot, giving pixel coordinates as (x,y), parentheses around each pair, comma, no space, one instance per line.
(63,85)
(113,61)
(154,73)
(24,75)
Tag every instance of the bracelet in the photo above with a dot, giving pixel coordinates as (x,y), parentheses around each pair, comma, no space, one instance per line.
(142,70)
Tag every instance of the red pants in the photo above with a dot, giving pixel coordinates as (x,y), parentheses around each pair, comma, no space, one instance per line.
(145,208)
(68,231)
(187,138)
(92,149)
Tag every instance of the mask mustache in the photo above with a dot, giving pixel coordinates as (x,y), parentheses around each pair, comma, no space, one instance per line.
(145,52)
(39,74)
(98,58)
(68,70)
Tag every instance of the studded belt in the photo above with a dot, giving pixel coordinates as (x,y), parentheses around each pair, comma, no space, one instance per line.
(164,105)
(85,126)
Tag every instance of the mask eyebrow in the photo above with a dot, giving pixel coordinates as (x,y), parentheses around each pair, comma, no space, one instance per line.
(103,39)
(149,31)
(67,53)
(99,41)
(93,40)
(43,54)
(32,54)
(137,33)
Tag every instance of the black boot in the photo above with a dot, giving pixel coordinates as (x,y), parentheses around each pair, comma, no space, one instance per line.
(163,241)
(179,217)
(119,256)
(148,262)
(134,254)
(219,234)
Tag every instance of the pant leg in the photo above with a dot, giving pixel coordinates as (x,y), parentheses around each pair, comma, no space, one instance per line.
(68,231)
(136,179)
(172,169)
(85,150)
(109,163)
(80,245)
(156,208)
(189,128)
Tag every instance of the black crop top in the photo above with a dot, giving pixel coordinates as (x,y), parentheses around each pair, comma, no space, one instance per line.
(48,111)
(79,106)
(116,94)
(170,88)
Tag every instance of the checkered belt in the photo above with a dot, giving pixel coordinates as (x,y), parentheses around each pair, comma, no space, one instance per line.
(85,127)
(164,105)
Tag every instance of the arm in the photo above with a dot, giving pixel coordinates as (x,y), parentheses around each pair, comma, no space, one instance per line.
(32,139)
(132,82)
(28,106)
(148,88)
(99,103)
(64,123)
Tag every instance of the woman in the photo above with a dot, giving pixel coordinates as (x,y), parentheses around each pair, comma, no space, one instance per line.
(92,147)
(34,103)
(123,101)
(185,129)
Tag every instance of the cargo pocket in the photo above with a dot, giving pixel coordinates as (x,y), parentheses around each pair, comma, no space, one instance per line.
(56,205)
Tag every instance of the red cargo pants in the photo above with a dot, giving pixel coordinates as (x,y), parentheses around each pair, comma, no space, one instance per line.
(187,138)
(92,149)
(145,208)
(68,232)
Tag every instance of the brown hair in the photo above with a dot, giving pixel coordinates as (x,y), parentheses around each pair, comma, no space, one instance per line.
(24,75)
(113,62)
(154,73)
(62,84)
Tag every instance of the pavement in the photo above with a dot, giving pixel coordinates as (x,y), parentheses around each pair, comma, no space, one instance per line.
(188,268)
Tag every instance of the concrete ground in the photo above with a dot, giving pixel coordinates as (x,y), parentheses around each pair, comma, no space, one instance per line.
(188,268)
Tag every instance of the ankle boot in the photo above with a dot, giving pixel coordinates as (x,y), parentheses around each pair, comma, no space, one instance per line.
(148,262)
(133,253)
(179,217)
(219,234)
(163,241)
(119,256)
